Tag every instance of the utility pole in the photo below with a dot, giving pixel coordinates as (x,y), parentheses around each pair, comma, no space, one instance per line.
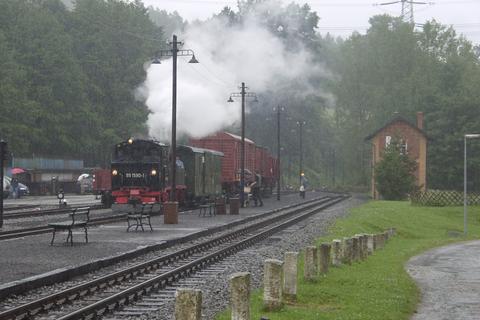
(279,110)
(3,156)
(407,8)
(243,94)
(301,124)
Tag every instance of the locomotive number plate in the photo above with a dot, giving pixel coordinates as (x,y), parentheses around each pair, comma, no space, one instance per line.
(134,175)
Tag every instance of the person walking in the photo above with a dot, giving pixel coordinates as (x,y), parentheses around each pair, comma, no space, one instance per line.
(256,192)
(303,185)
(14,185)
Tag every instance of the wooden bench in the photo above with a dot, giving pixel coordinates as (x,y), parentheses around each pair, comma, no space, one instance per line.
(139,216)
(79,218)
(203,209)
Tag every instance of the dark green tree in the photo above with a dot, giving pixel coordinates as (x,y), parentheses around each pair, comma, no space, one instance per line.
(394,174)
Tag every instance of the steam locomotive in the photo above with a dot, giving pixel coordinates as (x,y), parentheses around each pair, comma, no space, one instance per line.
(211,167)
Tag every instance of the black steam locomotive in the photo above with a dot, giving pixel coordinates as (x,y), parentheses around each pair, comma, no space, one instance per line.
(140,173)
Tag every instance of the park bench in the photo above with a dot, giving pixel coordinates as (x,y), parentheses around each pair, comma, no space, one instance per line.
(79,218)
(210,205)
(139,216)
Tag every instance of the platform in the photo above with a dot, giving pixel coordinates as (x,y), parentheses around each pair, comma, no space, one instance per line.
(33,257)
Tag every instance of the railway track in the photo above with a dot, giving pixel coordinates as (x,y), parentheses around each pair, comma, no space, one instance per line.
(46,212)
(20,233)
(94,298)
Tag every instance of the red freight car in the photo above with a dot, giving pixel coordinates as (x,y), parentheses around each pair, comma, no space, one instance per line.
(231,146)
(102,181)
(257,160)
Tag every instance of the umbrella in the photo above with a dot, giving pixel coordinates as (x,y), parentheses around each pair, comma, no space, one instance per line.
(18,170)
(83,176)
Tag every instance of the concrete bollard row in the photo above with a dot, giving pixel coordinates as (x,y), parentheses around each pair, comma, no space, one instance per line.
(280,279)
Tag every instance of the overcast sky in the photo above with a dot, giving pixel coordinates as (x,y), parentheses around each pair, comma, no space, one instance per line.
(341,17)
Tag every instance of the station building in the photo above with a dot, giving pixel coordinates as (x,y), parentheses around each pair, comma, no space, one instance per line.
(413,142)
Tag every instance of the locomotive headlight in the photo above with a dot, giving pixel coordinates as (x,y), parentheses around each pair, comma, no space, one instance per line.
(153,172)
(114,172)
(130,141)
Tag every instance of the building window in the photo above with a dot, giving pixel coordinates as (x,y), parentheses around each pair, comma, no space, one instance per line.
(388,139)
(403,147)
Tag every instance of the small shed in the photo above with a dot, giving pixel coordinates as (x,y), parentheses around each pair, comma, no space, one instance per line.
(413,142)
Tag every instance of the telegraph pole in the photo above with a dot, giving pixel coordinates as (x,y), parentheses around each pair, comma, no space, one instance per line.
(243,94)
(278,152)
(301,124)
(242,156)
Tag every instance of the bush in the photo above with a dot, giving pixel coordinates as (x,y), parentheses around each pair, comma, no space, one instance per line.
(394,174)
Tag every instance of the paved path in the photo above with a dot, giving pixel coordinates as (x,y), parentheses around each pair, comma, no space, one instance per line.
(449,279)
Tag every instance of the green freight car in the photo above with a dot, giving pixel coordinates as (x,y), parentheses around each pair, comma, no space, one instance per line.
(202,173)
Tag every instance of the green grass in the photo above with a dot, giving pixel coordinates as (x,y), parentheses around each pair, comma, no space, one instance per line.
(378,288)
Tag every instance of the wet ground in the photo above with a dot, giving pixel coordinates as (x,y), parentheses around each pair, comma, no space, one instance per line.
(449,280)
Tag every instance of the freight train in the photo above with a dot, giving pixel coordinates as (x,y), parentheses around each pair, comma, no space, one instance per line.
(208,169)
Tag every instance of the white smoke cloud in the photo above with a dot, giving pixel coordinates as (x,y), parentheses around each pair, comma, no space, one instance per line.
(228,56)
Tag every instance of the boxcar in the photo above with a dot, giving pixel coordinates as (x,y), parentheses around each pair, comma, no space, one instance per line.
(230,145)
(257,161)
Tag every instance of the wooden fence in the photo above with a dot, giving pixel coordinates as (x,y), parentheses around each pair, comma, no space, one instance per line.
(442,198)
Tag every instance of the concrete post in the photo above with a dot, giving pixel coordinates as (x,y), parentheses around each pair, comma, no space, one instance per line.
(391,232)
(188,304)
(290,276)
(380,241)
(324,257)
(355,249)
(272,284)
(360,247)
(347,250)
(370,243)
(336,252)
(365,246)
(386,235)
(310,268)
(240,295)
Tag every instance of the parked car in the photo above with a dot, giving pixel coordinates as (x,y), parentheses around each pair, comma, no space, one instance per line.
(6,187)
(23,190)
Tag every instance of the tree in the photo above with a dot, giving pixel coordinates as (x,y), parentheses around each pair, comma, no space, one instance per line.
(394,174)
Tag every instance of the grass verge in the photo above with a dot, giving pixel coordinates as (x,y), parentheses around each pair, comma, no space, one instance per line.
(378,288)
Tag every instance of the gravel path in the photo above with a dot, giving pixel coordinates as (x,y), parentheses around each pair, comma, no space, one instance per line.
(449,279)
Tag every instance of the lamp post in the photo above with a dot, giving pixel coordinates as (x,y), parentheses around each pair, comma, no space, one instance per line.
(279,110)
(174,53)
(301,124)
(243,94)
(467,136)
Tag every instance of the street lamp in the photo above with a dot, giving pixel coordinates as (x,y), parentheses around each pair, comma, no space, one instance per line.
(467,136)
(243,94)
(301,124)
(174,53)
